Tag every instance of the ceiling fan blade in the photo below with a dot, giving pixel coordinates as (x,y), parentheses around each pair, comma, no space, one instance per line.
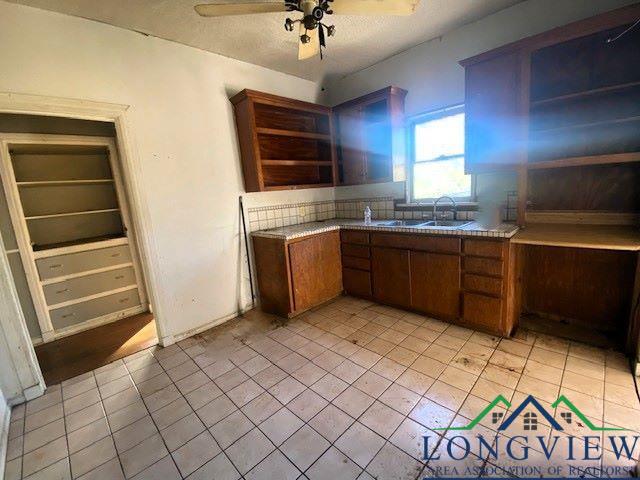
(311,49)
(374,7)
(221,10)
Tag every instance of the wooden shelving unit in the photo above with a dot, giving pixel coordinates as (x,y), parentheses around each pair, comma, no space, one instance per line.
(285,144)
(584,125)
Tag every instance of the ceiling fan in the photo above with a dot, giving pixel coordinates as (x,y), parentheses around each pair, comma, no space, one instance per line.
(312,29)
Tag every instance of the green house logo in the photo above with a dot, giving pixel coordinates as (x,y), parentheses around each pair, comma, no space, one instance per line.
(531,418)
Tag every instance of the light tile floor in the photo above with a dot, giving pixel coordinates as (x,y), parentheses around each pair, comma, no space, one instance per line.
(344,392)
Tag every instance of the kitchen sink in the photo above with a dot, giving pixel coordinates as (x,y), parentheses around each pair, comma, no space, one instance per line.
(403,223)
(446,224)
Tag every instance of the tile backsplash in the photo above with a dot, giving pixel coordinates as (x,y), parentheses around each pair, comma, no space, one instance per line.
(284,215)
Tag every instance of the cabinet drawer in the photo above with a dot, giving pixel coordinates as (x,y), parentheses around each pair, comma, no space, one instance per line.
(355,262)
(81,312)
(359,251)
(484,248)
(351,236)
(429,243)
(356,282)
(483,266)
(88,285)
(476,283)
(482,311)
(52,267)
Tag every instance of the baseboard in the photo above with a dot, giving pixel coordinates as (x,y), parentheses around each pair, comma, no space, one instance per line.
(4,439)
(171,339)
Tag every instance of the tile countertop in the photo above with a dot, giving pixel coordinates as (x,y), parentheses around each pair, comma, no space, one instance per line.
(473,229)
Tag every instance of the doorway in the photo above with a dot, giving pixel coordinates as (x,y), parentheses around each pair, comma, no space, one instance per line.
(71,243)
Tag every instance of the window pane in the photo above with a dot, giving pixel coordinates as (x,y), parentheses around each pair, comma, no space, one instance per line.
(440,137)
(435,179)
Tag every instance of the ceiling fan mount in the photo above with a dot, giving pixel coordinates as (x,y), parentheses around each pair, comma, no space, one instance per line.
(312,29)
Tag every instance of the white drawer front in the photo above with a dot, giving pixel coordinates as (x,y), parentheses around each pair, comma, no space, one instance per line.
(75,288)
(52,267)
(81,312)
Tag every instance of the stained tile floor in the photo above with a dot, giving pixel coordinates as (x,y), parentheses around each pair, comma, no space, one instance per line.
(344,392)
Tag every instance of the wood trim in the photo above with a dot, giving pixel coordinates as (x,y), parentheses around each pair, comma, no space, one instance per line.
(589,160)
(373,97)
(277,100)
(23,240)
(563,33)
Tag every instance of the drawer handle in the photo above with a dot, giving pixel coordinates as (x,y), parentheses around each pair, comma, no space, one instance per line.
(118,277)
(57,265)
(63,291)
(123,300)
(115,255)
(68,315)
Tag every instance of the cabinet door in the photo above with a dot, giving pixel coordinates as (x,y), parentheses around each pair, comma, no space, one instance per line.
(376,127)
(316,270)
(390,276)
(435,284)
(351,156)
(495,117)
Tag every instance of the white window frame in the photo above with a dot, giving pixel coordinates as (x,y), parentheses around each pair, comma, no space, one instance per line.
(411,124)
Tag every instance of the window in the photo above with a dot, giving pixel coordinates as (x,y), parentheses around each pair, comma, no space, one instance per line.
(530,421)
(437,166)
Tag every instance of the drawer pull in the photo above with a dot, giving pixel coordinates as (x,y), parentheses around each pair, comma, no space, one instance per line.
(123,300)
(118,277)
(115,255)
(63,291)
(67,315)
(57,265)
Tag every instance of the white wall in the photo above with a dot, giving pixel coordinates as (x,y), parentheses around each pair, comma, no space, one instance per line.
(183,128)
(433,77)
(4,431)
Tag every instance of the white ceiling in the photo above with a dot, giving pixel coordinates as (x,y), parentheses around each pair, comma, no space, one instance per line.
(261,39)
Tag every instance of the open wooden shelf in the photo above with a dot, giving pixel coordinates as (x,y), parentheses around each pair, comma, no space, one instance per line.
(589,160)
(583,94)
(81,241)
(72,214)
(297,163)
(285,144)
(579,126)
(292,133)
(297,187)
(55,183)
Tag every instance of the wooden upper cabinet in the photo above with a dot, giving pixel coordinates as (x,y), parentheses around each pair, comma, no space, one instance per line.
(495,117)
(369,137)
(285,144)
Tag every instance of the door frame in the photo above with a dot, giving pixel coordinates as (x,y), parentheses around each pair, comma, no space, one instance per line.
(20,227)
(31,381)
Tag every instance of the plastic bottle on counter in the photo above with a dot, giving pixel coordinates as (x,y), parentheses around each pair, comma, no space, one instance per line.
(367,215)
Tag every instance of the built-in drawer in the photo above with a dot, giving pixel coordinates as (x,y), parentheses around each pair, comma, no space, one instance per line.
(483,266)
(355,262)
(477,283)
(359,251)
(356,282)
(484,248)
(81,312)
(482,311)
(87,285)
(61,265)
(429,243)
(351,236)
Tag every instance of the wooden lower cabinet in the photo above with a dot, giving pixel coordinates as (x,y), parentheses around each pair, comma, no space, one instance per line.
(297,275)
(482,311)
(357,282)
(435,284)
(390,276)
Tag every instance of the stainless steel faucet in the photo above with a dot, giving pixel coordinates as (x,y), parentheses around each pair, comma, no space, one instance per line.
(454,206)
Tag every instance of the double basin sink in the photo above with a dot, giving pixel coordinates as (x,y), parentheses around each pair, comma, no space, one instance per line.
(439,224)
